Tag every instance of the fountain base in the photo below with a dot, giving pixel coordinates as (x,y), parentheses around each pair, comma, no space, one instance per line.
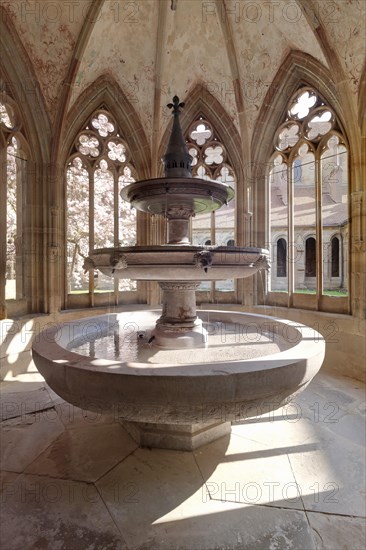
(179,327)
(177,437)
(171,336)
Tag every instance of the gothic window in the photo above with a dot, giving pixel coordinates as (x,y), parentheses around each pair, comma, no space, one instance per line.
(98,168)
(210,161)
(335,256)
(310,257)
(308,190)
(14,155)
(281,258)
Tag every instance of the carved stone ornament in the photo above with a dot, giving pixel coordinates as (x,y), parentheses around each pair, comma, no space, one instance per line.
(204,259)
(179,213)
(118,261)
(263,262)
(88,264)
(179,285)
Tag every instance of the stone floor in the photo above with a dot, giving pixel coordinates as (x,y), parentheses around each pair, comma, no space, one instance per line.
(290,479)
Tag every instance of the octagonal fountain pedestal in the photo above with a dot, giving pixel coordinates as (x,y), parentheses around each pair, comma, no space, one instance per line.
(177,400)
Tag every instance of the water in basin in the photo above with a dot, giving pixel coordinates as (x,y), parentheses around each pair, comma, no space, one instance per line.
(129,342)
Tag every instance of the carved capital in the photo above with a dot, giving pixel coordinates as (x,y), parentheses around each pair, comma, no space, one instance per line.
(179,285)
(179,213)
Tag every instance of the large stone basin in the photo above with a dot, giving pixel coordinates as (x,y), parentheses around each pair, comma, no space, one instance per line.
(179,405)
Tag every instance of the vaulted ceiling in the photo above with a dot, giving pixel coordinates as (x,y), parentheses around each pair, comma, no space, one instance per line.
(157,48)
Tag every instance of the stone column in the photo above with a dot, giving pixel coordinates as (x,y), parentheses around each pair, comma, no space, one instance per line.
(179,327)
(179,304)
(178,224)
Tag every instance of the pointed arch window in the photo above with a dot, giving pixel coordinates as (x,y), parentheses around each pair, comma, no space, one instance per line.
(281,258)
(210,161)
(99,166)
(310,257)
(13,189)
(335,257)
(308,190)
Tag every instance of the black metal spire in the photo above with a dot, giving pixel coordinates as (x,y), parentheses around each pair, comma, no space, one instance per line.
(177,160)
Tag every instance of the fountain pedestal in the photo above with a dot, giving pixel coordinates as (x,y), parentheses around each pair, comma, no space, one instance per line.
(179,327)
(178,223)
(177,437)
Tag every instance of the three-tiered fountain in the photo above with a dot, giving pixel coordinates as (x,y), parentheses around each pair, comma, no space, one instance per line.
(182,377)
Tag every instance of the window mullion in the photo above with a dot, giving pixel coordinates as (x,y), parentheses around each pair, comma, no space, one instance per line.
(116,229)
(319,230)
(291,238)
(3,203)
(21,176)
(213,242)
(91,234)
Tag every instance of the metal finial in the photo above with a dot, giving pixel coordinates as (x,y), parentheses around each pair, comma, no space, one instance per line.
(176,106)
(177,160)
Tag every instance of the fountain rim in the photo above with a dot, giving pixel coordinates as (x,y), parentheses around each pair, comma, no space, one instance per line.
(165,181)
(186,247)
(47,347)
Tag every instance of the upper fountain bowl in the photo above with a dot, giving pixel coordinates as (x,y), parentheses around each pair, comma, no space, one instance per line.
(177,196)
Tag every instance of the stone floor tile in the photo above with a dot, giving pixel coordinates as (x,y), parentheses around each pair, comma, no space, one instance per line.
(159,502)
(282,428)
(337,532)
(32,397)
(84,453)
(231,526)
(329,398)
(44,513)
(148,485)
(248,472)
(332,477)
(23,382)
(347,392)
(24,438)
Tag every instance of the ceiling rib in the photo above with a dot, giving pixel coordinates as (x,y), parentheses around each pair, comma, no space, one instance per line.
(159,60)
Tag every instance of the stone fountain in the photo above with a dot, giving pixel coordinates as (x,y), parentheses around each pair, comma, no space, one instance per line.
(172,390)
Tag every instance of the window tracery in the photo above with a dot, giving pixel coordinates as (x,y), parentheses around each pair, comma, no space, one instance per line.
(98,168)
(210,161)
(14,155)
(308,189)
